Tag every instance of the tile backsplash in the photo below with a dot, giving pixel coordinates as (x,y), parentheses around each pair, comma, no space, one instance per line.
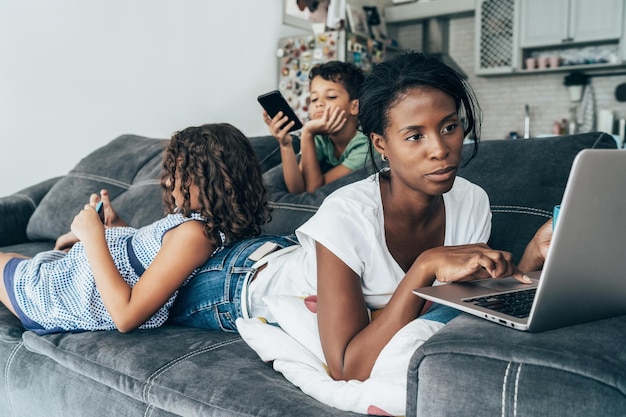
(502,98)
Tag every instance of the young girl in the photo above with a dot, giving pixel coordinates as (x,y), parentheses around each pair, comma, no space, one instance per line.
(372,242)
(331,145)
(118,277)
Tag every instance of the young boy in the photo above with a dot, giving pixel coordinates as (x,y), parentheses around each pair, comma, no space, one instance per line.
(330,145)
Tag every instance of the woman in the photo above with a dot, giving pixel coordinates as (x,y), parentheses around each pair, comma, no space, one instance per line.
(372,242)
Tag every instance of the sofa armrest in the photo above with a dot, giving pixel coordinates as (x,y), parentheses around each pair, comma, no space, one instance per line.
(473,367)
(16,209)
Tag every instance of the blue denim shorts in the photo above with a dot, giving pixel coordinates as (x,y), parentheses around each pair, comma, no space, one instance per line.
(212,298)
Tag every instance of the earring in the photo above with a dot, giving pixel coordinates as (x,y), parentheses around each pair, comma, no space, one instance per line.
(384,158)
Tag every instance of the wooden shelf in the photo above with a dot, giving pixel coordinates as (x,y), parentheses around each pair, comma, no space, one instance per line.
(590,69)
(426,9)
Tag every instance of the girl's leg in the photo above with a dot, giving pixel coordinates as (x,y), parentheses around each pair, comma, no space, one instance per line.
(4,296)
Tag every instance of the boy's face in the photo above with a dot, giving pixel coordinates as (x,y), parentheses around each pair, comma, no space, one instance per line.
(324,94)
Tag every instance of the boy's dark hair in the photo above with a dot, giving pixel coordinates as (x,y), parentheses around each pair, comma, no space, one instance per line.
(389,80)
(344,73)
(220,160)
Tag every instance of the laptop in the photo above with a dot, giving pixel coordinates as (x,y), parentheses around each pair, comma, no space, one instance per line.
(584,275)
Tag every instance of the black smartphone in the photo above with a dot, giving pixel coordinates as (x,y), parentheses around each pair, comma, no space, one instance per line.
(100,210)
(273,102)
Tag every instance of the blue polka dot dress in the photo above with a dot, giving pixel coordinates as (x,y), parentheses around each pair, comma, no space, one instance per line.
(57,290)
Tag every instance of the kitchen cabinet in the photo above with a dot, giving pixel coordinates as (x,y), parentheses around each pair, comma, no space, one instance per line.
(565,22)
(496,37)
(569,34)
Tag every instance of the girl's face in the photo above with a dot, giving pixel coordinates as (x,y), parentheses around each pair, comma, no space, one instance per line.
(324,93)
(423,141)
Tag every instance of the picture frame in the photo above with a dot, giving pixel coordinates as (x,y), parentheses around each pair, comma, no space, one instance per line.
(357,20)
(304,19)
(377,27)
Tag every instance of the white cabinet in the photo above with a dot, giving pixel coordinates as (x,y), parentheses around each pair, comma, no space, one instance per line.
(558,22)
(496,37)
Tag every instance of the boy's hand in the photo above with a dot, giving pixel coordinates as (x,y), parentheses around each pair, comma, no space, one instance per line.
(331,121)
(279,128)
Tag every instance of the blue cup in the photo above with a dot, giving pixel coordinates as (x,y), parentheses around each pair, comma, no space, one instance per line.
(555,215)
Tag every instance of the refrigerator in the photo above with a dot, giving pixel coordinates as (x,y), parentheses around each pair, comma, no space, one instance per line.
(298,54)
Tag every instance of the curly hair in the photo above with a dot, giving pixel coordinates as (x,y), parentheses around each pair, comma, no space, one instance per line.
(344,73)
(390,80)
(221,162)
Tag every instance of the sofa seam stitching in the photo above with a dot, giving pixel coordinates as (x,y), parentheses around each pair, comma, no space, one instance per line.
(152,378)
(519,370)
(295,207)
(148,382)
(6,374)
(113,181)
(504,382)
(520,209)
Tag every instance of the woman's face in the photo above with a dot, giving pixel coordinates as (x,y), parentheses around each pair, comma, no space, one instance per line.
(423,141)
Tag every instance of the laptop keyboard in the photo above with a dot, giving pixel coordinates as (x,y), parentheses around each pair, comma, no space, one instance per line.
(516,304)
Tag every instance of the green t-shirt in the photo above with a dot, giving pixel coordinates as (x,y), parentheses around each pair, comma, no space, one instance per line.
(354,157)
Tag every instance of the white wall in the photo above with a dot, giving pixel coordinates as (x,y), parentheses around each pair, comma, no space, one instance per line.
(75,74)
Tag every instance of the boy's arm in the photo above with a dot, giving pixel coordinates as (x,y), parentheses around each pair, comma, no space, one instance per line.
(279,127)
(332,121)
(335,173)
(291,171)
(357,155)
(312,177)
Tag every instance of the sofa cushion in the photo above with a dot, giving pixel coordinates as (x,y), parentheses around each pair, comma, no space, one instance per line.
(180,370)
(129,166)
(494,370)
(289,210)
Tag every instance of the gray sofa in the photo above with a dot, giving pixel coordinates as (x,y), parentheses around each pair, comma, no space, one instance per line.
(470,368)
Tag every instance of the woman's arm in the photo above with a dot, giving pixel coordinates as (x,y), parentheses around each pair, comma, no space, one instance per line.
(131,307)
(537,249)
(351,343)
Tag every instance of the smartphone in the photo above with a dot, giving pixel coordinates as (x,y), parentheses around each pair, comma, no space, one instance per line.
(273,102)
(100,210)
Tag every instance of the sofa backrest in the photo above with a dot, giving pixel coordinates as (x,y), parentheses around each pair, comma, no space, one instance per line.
(525,179)
(129,168)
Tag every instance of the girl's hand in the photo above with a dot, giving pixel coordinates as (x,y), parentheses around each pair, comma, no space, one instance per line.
(279,128)
(111,218)
(332,120)
(469,262)
(87,224)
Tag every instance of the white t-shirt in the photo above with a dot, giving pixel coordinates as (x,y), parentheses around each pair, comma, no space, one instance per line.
(350,224)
